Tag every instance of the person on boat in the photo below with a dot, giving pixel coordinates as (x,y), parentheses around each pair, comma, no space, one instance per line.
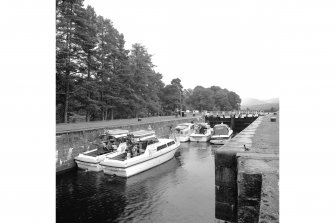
(135,150)
(141,149)
(102,148)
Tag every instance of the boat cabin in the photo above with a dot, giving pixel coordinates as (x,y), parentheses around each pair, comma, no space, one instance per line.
(221,129)
(185,128)
(110,140)
(143,146)
(202,128)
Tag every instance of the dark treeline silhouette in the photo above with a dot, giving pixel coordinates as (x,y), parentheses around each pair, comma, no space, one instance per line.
(98,79)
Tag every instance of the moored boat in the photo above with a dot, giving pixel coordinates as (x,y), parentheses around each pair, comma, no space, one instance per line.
(110,143)
(183,131)
(142,155)
(202,133)
(221,133)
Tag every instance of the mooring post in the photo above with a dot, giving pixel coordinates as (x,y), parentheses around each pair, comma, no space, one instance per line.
(232,121)
(226,185)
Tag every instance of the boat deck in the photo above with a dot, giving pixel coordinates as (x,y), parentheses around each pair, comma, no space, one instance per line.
(95,153)
(121,157)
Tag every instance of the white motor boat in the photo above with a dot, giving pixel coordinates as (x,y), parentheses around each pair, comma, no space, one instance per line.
(183,131)
(222,133)
(203,133)
(110,143)
(142,155)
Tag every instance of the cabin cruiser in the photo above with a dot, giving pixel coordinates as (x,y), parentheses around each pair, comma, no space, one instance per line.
(141,155)
(221,134)
(183,131)
(203,133)
(110,143)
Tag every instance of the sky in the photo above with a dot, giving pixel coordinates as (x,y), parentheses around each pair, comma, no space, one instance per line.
(244,46)
(212,42)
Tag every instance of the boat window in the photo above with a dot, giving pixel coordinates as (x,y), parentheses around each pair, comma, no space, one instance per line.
(171,143)
(161,147)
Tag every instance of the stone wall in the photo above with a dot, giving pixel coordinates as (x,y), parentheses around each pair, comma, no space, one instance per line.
(247,174)
(69,145)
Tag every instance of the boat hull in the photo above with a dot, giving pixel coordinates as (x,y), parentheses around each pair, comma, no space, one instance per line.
(92,163)
(183,138)
(95,167)
(219,141)
(201,138)
(131,169)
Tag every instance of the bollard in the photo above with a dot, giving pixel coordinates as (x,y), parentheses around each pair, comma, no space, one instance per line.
(273,119)
(225,185)
(232,122)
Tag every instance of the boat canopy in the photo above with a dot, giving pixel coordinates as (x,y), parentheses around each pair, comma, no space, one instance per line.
(221,129)
(182,126)
(142,133)
(115,132)
(203,125)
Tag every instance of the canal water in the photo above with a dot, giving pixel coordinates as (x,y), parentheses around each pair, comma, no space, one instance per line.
(180,190)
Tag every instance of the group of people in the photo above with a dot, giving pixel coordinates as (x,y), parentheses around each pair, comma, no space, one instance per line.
(107,146)
(135,149)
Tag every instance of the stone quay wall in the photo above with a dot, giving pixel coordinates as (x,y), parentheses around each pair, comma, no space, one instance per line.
(247,174)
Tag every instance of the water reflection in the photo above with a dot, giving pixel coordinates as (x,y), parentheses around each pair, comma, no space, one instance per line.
(180,190)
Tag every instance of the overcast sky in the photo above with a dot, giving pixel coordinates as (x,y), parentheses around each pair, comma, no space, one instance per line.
(238,45)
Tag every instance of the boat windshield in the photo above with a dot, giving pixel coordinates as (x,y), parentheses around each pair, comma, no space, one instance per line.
(201,130)
(103,137)
(181,127)
(220,130)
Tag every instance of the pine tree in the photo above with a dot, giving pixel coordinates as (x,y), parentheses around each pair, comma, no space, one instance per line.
(68,20)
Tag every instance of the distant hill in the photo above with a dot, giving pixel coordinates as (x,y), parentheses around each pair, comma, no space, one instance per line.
(264,107)
(272,100)
(256,104)
(252,101)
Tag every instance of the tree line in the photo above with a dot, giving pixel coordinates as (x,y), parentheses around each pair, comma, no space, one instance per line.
(99,79)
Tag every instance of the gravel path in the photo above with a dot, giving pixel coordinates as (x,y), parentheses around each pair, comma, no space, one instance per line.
(62,128)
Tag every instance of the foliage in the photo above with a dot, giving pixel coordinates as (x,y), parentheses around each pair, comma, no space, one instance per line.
(97,78)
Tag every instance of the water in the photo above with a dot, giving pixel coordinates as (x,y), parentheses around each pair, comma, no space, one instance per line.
(180,190)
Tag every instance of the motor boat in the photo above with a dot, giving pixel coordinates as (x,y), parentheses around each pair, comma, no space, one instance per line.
(143,154)
(202,133)
(221,133)
(111,143)
(183,131)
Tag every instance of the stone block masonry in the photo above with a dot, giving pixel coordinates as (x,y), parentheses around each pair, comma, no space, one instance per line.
(70,143)
(249,164)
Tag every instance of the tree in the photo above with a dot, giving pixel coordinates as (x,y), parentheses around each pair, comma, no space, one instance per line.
(146,82)
(234,100)
(69,15)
